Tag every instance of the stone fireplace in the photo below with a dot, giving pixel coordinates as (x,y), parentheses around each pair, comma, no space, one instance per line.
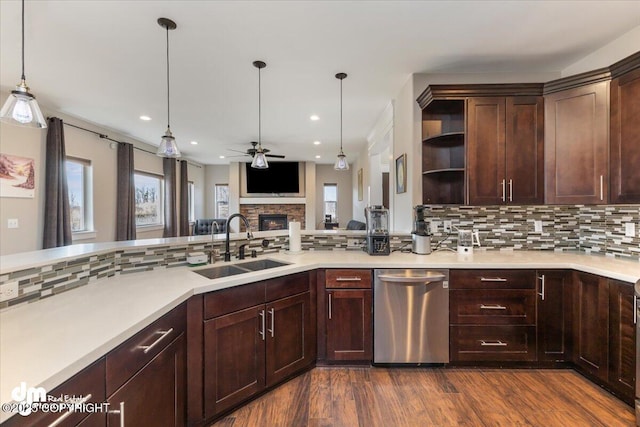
(292,212)
(268,222)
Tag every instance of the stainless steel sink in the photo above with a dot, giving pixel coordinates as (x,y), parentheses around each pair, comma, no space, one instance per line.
(233,269)
(261,264)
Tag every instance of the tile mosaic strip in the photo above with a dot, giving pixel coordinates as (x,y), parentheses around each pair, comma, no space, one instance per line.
(592,229)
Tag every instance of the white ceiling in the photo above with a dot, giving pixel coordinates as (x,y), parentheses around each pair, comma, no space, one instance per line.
(104,61)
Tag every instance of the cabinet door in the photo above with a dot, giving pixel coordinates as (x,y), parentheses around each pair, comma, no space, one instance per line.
(590,316)
(554,316)
(525,150)
(486,151)
(577,145)
(290,337)
(233,358)
(625,138)
(622,339)
(155,396)
(349,328)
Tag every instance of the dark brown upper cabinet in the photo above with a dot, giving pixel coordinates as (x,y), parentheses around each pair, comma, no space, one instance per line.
(505,150)
(625,131)
(577,139)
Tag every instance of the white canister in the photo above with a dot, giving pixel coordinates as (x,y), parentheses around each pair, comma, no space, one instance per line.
(295,244)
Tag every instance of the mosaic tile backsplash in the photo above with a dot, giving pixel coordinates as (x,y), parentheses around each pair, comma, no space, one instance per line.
(592,229)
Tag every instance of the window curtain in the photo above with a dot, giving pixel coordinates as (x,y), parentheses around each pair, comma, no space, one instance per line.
(170,182)
(126,202)
(184,199)
(57,216)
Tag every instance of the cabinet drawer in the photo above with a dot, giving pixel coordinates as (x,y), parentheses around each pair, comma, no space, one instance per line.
(492,279)
(492,307)
(348,278)
(233,299)
(493,343)
(286,286)
(129,357)
(88,382)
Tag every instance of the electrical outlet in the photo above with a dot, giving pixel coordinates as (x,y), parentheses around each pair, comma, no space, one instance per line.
(12,223)
(630,229)
(352,243)
(537,226)
(434,225)
(446,227)
(8,291)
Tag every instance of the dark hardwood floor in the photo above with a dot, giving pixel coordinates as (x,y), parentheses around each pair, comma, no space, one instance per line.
(364,396)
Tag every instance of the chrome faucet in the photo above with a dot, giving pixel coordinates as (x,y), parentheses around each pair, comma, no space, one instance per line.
(215,229)
(227,252)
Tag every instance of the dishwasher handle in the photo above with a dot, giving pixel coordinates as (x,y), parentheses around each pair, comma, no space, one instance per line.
(411,280)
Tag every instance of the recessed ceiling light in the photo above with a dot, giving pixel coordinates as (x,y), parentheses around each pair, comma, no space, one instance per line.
(316,142)
(314,117)
(145,118)
(222,157)
(317,157)
(194,142)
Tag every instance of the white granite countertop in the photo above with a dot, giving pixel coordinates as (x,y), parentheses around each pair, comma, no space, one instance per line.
(46,342)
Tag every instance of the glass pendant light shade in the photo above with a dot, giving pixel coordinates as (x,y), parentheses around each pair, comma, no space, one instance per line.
(341,163)
(21,108)
(168,146)
(259,160)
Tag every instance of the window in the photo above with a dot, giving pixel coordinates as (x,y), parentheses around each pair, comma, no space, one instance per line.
(79,185)
(148,199)
(331,201)
(191,189)
(222,200)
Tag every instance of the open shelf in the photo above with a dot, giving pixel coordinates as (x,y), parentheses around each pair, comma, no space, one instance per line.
(452,138)
(443,170)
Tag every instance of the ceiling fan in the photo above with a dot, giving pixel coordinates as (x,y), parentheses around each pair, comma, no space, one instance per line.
(252,151)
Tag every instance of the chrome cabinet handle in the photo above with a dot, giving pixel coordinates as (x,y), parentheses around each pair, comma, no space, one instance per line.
(492,279)
(504,191)
(635,309)
(492,307)
(511,190)
(601,187)
(349,279)
(329,306)
(71,410)
(413,280)
(262,323)
(541,293)
(121,412)
(273,316)
(147,348)
(493,343)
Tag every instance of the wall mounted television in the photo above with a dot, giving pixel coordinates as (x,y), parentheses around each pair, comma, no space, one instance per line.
(279,177)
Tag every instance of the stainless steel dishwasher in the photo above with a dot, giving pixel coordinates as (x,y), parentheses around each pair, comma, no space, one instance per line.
(411,316)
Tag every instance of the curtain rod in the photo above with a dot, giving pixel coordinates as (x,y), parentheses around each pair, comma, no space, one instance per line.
(104,136)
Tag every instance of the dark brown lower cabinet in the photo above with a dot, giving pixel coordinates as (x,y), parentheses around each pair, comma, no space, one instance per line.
(349,325)
(554,326)
(590,327)
(503,343)
(155,395)
(622,339)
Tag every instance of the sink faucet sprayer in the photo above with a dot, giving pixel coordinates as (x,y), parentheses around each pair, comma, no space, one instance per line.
(227,252)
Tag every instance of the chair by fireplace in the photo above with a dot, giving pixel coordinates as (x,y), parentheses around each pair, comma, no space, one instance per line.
(272,222)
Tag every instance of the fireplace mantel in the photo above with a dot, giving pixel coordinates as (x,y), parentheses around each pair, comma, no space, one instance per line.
(273,200)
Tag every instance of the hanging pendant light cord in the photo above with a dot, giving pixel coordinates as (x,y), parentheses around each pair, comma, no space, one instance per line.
(23,77)
(340,116)
(168,93)
(259,111)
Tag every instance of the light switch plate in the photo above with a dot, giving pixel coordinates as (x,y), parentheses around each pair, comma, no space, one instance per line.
(446,226)
(630,229)
(12,223)
(8,291)
(537,226)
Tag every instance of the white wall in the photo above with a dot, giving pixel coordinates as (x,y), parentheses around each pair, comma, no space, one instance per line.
(620,48)
(196,174)
(27,142)
(362,162)
(215,174)
(325,174)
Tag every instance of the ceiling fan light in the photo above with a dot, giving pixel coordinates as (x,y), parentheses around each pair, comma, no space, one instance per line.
(341,163)
(259,160)
(21,108)
(168,146)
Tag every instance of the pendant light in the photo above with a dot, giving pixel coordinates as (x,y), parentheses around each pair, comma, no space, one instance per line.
(259,159)
(168,146)
(21,108)
(341,162)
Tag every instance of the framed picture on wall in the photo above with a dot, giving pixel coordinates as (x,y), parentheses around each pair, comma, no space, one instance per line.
(17,176)
(360,185)
(401,173)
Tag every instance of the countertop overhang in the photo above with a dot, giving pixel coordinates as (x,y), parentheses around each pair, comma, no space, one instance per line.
(47,342)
